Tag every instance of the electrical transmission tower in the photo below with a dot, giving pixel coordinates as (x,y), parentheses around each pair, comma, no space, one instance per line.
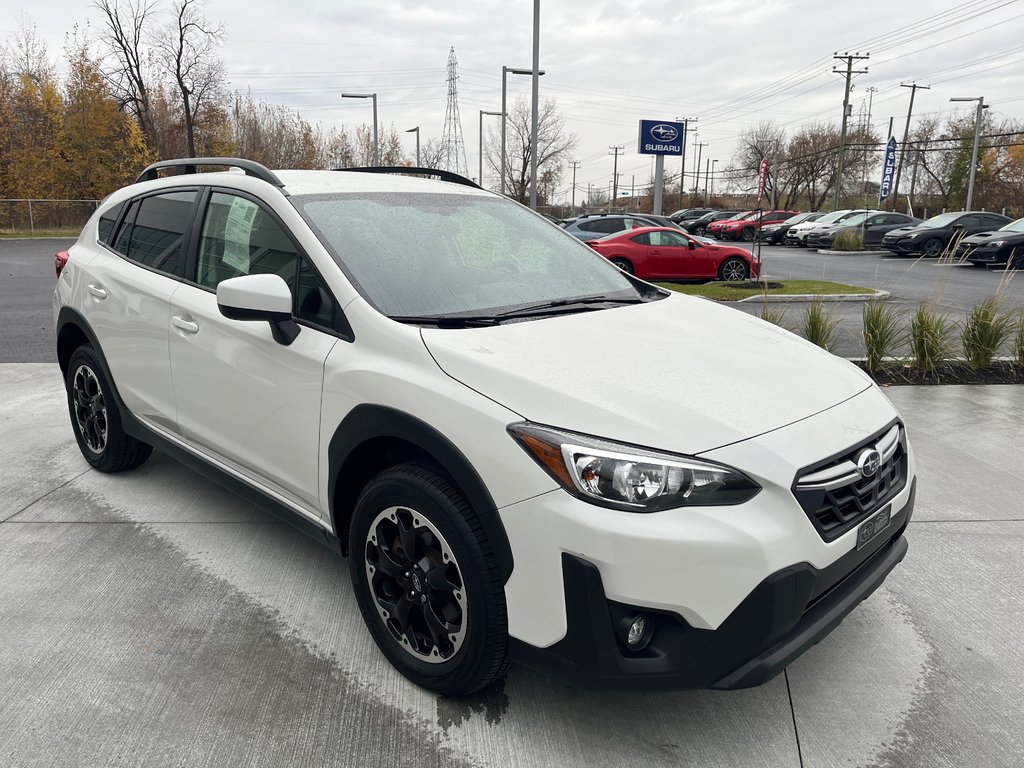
(453,149)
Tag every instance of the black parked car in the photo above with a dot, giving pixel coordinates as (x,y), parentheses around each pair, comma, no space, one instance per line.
(594,225)
(874,226)
(1003,246)
(931,237)
(775,234)
(700,226)
(689,214)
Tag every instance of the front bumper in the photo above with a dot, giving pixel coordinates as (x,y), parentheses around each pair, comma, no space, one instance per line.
(901,247)
(789,611)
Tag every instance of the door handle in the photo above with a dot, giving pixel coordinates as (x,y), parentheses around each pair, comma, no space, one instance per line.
(96,291)
(185,326)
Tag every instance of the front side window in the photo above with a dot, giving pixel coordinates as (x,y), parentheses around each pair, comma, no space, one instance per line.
(240,237)
(427,255)
(158,232)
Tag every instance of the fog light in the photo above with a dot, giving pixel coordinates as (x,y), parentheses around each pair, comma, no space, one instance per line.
(637,631)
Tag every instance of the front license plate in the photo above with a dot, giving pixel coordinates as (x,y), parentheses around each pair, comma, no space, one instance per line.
(873,526)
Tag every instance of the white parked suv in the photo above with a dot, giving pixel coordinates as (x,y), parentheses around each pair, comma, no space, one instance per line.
(525,453)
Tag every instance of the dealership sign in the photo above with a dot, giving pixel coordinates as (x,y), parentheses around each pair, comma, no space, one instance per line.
(658,137)
(888,169)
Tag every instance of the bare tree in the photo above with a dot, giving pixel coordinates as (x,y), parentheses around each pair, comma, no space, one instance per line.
(554,146)
(189,51)
(127,23)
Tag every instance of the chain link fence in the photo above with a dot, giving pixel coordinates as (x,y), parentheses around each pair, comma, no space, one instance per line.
(41,217)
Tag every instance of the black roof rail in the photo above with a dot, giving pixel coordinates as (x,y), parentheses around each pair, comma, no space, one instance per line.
(455,178)
(190,165)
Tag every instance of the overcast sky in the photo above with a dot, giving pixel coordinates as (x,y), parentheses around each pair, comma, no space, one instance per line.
(728,63)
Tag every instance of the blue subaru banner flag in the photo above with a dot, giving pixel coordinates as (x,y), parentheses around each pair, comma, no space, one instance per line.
(888,170)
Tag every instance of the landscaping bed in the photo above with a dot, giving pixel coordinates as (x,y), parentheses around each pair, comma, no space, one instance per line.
(952,372)
(721,291)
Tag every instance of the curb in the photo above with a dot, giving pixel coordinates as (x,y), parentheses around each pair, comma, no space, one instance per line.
(782,298)
(825,252)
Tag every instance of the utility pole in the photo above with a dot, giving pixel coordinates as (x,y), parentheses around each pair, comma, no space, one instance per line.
(707,179)
(615,150)
(906,134)
(977,136)
(575,164)
(682,168)
(850,58)
(699,147)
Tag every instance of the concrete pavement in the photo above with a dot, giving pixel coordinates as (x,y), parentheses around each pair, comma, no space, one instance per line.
(151,618)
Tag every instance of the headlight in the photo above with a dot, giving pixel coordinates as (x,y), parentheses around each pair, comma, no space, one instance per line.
(628,477)
(914,236)
(994,244)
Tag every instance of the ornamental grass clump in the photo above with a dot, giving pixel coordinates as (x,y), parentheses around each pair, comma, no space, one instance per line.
(1018,341)
(882,333)
(984,333)
(849,240)
(930,339)
(820,325)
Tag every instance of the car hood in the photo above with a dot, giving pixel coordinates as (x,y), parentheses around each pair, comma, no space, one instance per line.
(682,374)
(983,237)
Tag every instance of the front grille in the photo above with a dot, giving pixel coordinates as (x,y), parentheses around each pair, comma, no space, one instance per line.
(837,496)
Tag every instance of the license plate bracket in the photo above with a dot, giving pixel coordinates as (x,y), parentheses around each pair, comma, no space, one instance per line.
(873,526)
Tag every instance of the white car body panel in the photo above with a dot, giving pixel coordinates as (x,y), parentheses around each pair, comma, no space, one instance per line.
(605,373)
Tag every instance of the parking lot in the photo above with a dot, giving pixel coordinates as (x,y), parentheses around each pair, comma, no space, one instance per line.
(153,619)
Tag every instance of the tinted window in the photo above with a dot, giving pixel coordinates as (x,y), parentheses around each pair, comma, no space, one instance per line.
(107,222)
(158,235)
(124,235)
(668,238)
(992,221)
(644,239)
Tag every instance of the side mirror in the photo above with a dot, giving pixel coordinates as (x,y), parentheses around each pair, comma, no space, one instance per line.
(261,298)
(692,244)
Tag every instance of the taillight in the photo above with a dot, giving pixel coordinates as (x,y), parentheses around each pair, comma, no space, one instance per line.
(60,258)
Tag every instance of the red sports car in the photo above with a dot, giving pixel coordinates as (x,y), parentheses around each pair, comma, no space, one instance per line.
(660,253)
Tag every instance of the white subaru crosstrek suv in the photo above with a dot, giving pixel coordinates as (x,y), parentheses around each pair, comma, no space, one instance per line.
(526,453)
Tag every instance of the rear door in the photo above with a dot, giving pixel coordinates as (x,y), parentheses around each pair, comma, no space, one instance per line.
(244,399)
(129,287)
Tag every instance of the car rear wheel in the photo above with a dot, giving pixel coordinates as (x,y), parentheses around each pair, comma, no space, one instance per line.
(733,270)
(96,419)
(932,247)
(426,582)
(623,264)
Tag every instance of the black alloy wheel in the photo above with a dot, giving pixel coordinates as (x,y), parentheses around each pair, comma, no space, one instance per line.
(426,583)
(733,269)
(96,418)
(747,234)
(932,247)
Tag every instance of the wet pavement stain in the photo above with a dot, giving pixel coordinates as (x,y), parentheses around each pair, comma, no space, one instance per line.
(492,702)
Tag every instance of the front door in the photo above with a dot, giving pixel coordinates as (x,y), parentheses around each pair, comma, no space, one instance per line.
(669,255)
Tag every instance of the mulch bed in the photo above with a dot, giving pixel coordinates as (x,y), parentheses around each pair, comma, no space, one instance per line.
(953,372)
(748,284)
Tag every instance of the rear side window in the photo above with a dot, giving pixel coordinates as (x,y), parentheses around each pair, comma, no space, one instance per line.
(108,220)
(158,233)
(124,235)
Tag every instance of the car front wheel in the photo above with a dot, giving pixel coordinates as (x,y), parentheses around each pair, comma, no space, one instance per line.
(733,270)
(747,234)
(96,419)
(932,247)
(426,583)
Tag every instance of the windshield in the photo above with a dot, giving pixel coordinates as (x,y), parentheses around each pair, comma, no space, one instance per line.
(942,220)
(1013,226)
(853,221)
(428,255)
(830,218)
(800,217)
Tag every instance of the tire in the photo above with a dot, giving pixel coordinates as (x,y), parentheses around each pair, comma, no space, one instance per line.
(96,418)
(699,230)
(733,270)
(747,234)
(403,603)
(932,247)
(623,264)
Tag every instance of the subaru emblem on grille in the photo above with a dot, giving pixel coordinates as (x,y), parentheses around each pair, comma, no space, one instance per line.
(868,462)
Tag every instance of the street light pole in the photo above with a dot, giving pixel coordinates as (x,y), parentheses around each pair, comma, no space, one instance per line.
(480,178)
(505,71)
(416,130)
(373,96)
(535,118)
(977,137)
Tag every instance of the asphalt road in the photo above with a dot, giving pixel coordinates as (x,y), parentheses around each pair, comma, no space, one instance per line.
(26,287)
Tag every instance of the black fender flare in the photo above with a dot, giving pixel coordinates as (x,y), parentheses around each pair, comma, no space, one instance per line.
(372,422)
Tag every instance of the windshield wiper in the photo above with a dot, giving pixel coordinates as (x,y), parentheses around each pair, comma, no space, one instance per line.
(557,306)
(448,321)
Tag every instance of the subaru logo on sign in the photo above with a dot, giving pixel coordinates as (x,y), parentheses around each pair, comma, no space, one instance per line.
(665,133)
(868,462)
